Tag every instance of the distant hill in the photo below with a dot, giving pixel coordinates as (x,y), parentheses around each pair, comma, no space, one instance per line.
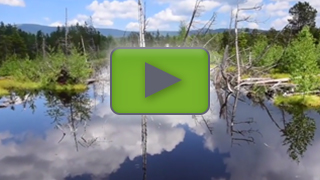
(33,28)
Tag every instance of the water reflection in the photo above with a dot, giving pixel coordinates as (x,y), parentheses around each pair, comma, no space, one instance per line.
(69,111)
(242,142)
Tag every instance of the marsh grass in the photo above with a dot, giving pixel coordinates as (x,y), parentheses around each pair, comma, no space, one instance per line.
(8,85)
(308,101)
(42,74)
(47,70)
(4,92)
(67,88)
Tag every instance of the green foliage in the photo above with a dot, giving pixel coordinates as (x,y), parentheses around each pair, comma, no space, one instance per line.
(302,15)
(215,57)
(318,52)
(243,40)
(46,71)
(264,56)
(21,69)
(23,45)
(74,63)
(300,60)
(182,31)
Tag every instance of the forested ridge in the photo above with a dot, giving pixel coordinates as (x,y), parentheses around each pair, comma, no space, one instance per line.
(14,41)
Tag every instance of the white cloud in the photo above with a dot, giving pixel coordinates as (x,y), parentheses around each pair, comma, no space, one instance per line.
(80,19)
(253,25)
(185,7)
(277,9)
(267,158)
(20,3)
(224,9)
(56,24)
(106,12)
(280,23)
(132,26)
(160,20)
(118,139)
(46,19)
(177,12)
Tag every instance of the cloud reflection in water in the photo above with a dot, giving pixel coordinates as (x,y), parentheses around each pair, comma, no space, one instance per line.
(118,137)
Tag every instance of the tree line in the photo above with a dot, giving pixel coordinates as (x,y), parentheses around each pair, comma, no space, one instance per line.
(85,38)
(14,41)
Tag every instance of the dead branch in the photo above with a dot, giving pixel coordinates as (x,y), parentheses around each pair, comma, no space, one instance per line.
(195,13)
(236,21)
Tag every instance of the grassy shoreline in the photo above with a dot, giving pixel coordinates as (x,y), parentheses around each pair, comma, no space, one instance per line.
(306,101)
(57,72)
(8,85)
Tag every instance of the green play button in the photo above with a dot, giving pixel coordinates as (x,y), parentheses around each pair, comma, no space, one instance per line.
(159,81)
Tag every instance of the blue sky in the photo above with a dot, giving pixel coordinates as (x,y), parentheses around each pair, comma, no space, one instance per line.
(161,14)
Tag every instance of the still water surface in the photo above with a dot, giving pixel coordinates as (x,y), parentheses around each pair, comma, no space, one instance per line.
(79,138)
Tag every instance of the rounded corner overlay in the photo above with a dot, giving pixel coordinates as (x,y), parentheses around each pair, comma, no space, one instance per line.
(159,81)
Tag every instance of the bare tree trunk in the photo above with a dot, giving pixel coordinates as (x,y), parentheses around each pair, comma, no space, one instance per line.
(236,45)
(195,13)
(141,24)
(236,21)
(144,143)
(83,46)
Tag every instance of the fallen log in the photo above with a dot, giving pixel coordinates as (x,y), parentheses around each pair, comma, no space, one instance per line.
(255,79)
(90,81)
(283,80)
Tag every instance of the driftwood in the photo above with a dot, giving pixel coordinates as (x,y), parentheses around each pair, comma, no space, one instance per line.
(256,81)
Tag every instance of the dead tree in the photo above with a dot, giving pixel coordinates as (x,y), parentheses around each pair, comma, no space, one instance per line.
(142,28)
(204,120)
(232,81)
(141,23)
(228,113)
(195,13)
(236,21)
(144,142)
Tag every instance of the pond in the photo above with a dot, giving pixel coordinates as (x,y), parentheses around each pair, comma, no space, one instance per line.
(59,136)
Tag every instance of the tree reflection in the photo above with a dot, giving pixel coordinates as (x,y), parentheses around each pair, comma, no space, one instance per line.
(239,130)
(68,111)
(26,98)
(144,142)
(298,132)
